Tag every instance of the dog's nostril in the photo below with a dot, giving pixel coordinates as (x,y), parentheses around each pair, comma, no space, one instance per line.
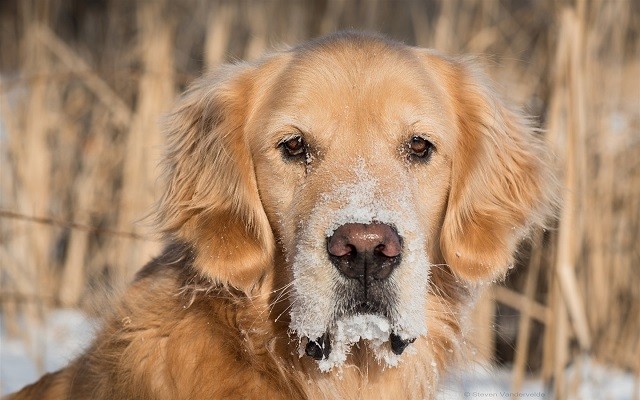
(314,350)
(398,344)
(319,348)
(383,250)
(365,251)
(340,247)
(390,248)
(352,251)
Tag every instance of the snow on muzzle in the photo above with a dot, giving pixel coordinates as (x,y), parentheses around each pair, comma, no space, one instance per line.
(360,272)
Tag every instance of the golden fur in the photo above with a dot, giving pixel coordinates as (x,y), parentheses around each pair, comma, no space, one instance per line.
(211,317)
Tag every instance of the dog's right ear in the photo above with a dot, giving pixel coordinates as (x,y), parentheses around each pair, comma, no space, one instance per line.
(502,182)
(211,197)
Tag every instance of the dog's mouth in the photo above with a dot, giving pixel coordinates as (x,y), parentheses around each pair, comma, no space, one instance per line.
(320,349)
(332,348)
(368,307)
(363,315)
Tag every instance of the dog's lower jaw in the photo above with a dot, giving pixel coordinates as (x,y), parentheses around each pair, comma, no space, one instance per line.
(336,347)
(320,348)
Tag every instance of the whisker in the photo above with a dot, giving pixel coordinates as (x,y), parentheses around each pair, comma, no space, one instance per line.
(285,310)
(283,295)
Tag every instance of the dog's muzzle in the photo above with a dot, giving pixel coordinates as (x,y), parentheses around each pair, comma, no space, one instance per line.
(367,254)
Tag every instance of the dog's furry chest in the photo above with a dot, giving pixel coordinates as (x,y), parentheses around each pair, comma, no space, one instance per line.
(207,344)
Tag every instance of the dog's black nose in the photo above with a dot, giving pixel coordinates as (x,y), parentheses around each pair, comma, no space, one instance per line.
(365,251)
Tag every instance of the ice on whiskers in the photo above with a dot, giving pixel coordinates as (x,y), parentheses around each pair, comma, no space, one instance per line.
(373,329)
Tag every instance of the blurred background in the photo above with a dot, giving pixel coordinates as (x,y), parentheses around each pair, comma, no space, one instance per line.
(83,86)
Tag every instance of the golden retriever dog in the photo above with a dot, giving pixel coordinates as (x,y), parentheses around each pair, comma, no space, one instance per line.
(331,212)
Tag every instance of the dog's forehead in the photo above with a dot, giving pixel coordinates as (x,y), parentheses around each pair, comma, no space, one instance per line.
(372,86)
(351,75)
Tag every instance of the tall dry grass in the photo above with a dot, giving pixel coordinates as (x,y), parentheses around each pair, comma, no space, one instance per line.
(83,86)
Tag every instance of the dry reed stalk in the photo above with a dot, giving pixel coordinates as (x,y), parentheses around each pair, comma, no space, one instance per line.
(219,29)
(524,324)
(143,149)
(331,17)
(444,27)
(32,169)
(561,338)
(570,75)
(18,279)
(106,154)
(257,24)
(483,338)
(598,229)
(420,22)
(521,303)
(21,278)
(567,124)
(611,233)
(482,40)
(636,386)
(8,279)
(296,26)
(575,178)
(10,316)
(74,273)
(559,128)
(548,340)
(370,14)
(30,249)
(121,112)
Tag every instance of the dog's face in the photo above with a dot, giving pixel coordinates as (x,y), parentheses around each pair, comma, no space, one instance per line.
(353,164)
(349,167)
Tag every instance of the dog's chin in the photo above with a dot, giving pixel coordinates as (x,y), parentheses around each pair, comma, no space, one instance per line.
(373,330)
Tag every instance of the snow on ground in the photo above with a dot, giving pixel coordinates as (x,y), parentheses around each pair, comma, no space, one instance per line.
(52,343)
(590,380)
(65,333)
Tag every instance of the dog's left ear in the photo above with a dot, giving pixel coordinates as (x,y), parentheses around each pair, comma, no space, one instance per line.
(211,199)
(502,182)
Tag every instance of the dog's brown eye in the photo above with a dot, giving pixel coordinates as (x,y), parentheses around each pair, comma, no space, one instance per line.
(420,147)
(293,147)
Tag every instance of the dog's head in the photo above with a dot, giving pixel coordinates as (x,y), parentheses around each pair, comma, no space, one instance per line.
(351,166)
